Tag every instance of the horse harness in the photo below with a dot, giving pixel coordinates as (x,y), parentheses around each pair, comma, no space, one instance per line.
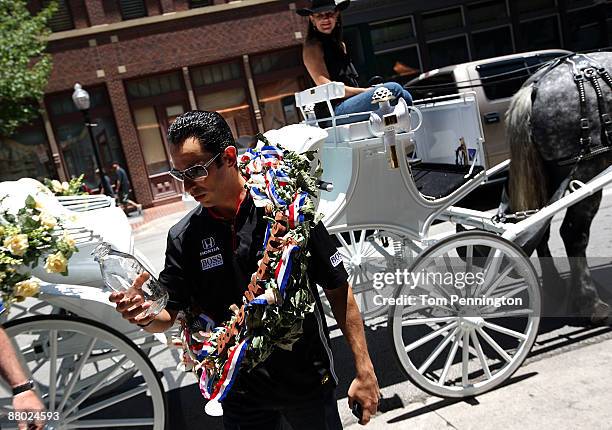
(585,69)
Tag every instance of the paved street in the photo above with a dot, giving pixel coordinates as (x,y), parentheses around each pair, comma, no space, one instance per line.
(563,383)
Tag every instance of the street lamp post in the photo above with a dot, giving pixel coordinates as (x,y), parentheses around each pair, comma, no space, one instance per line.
(81,100)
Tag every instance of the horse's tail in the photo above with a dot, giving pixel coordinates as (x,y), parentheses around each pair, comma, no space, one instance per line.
(527,183)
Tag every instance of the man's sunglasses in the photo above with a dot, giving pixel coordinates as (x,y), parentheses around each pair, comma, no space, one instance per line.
(193,173)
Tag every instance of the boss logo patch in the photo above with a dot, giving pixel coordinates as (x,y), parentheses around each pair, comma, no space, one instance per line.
(335,259)
(212,261)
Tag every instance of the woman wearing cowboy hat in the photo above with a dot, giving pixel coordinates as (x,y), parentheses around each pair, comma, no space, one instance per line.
(327,60)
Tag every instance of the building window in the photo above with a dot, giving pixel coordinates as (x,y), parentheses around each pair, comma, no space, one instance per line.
(530,6)
(73,138)
(62,18)
(487,12)
(155,102)
(155,85)
(448,51)
(398,65)
(584,31)
(276,61)
(199,3)
(26,154)
(492,43)
(222,88)
(540,34)
(278,76)
(131,9)
(391,34)
(151,140)
(216,73)
(444,20)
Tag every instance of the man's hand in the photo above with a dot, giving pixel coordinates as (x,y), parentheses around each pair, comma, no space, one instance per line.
(28,401)
(131,304)
(364,390)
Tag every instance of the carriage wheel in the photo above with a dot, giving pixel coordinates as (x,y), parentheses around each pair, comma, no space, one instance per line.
(364,253)
(72,360)
(450,344)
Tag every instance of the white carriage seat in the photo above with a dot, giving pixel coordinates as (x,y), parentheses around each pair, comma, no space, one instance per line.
(325,93)
(449,145)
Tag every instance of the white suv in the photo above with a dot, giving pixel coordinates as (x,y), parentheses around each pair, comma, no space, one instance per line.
(495,80)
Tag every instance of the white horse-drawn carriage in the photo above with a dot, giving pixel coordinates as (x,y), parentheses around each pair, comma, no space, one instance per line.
(393,176)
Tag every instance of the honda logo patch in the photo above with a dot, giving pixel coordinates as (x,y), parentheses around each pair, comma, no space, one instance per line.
(208,243)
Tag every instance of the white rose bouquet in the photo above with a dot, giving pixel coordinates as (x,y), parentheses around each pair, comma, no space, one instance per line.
(74,187)
(25,237)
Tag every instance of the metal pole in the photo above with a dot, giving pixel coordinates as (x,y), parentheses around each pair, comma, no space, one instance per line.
(105,186)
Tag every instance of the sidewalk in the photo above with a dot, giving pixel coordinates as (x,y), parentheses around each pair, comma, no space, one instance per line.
(157,212)
(567,391)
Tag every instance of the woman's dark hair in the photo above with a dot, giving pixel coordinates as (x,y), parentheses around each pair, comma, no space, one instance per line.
(313,35)
(209,128)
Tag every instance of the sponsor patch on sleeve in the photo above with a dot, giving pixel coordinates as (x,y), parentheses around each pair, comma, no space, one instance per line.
(335,259)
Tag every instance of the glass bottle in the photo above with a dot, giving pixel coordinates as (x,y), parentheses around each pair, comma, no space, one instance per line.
(119,270)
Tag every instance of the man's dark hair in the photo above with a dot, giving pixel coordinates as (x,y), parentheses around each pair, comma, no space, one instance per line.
(209,128)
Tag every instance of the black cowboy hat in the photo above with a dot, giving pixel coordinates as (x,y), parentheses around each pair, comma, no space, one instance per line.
(318,6)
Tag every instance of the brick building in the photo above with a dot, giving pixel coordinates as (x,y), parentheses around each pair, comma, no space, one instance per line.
(146,61)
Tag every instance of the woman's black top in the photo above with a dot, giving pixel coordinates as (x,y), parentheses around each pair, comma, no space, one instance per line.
(340,69)
(338,63)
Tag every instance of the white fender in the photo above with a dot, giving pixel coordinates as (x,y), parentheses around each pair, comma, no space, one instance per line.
(89,302)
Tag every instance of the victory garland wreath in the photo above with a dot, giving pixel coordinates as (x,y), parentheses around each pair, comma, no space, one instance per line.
(278,297)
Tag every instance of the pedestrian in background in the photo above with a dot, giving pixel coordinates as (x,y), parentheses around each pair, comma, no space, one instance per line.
(122,184)
(107,185)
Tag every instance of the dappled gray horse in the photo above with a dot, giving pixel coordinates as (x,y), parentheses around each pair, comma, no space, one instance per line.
(558,127)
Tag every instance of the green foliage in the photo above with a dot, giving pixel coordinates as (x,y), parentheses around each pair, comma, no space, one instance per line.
(24,66)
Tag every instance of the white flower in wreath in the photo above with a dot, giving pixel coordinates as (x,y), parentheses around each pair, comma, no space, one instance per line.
(65,186)
(48,221)
(17,244)
(68,240)
(56,185)
(56,263)
(38,204)
(28,288)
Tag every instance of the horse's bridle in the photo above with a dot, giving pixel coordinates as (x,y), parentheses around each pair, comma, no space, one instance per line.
(584,68)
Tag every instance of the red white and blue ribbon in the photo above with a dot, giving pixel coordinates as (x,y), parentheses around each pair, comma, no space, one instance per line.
(272,155)
(271,189)
(2,308)
(295,216)
(228,376)
(282,273)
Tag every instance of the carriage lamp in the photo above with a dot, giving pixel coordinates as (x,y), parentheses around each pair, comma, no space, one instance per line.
(81,100)
(389,120)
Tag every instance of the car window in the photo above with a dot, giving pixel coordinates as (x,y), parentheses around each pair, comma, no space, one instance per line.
(536,61)
(440,84)
(503,78)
